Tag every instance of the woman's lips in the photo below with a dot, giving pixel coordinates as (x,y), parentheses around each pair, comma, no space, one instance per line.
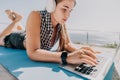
(65,20)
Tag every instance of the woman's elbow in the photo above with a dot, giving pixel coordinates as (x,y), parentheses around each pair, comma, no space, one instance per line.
(31,54)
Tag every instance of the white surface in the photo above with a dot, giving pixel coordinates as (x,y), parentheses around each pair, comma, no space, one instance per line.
(42,73)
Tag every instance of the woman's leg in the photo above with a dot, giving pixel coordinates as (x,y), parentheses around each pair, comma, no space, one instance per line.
(15,25)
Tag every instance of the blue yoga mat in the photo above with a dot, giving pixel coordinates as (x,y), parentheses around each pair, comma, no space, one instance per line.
(19,64)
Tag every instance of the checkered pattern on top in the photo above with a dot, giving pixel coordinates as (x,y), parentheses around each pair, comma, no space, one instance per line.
(46,30)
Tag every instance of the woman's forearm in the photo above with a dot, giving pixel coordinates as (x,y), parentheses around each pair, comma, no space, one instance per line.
(70,47)
(46,56)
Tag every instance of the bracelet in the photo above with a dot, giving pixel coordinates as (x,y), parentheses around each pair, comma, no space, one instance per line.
(63,57)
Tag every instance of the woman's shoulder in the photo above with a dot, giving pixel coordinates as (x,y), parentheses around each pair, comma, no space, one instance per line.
(42,12)
(34,13)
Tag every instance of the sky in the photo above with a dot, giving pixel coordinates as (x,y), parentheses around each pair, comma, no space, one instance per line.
(100,15)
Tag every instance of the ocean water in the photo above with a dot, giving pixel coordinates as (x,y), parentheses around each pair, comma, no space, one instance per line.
(94,37)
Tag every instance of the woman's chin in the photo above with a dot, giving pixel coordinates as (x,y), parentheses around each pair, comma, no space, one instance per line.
(62,22)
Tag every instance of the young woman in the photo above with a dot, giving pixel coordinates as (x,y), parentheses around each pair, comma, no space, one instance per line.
(44,29)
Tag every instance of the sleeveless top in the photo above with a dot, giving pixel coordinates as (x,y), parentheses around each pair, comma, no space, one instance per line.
(47,30)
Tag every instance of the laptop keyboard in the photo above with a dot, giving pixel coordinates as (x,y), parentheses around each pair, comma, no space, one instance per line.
(87,71)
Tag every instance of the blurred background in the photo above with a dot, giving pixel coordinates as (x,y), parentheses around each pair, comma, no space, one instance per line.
(91,21)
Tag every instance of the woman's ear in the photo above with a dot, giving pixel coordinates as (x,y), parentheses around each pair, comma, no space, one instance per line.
(51,4)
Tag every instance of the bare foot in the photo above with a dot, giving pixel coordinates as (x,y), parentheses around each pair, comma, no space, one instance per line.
(13,15)
(17,16)
(9,13)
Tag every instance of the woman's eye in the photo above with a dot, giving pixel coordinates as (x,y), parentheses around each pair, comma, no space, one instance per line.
(64,10)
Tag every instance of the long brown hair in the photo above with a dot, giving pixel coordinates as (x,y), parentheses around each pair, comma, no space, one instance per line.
(63,38)
(63,33)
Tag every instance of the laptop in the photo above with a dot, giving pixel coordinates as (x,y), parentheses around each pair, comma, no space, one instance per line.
(5,74)
(90,72)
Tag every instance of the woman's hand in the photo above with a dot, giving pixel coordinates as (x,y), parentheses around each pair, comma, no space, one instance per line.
(82,56)
(90,49)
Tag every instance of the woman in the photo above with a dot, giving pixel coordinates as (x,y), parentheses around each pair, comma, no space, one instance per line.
(41,35)
(44,29)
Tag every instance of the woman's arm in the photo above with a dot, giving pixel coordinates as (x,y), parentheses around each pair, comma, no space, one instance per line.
(69,45)
(33,41)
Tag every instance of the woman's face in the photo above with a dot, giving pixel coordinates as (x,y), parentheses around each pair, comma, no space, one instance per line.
(62,10)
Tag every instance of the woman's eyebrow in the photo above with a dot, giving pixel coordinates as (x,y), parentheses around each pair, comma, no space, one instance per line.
(66,6)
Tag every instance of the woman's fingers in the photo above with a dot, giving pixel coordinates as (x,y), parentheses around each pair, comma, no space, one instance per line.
(89,53)
(82,56)
(97,52)
(90,49)
(83,60)
(89,59)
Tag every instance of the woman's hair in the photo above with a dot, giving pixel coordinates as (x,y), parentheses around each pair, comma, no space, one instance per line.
(58,1)
(51,5)
(63,33)
(63,38)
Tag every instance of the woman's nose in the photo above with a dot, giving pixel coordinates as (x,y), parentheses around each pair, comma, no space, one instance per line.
(67,15)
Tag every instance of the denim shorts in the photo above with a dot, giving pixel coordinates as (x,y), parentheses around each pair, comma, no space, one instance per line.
(15,40)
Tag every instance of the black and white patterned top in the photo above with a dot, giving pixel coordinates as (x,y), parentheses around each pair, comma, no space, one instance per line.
(47,30)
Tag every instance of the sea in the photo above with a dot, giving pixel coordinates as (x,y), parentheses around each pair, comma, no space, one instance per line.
(94,37)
